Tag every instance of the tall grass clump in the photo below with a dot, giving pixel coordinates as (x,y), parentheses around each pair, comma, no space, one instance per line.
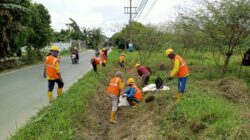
(201,116)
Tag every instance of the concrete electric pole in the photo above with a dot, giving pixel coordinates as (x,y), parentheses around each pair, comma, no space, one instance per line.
(130,10)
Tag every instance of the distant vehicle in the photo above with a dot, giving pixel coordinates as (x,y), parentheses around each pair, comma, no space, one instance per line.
(74,60)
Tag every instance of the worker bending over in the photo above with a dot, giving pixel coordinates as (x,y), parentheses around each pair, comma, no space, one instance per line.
(113,92)
(144,72)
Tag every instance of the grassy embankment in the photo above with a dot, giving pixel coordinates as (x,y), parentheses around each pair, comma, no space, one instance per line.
(215,107)
(61,119)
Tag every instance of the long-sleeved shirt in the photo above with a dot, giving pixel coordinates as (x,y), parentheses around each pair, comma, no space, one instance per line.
(142,70)
(175,68)
(130,92)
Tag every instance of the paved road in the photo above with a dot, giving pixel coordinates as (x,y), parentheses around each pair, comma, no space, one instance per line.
(24,92)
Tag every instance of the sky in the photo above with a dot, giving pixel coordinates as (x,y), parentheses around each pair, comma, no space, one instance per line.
(109,14)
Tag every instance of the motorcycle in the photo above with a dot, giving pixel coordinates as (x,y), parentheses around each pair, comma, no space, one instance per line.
(74,60)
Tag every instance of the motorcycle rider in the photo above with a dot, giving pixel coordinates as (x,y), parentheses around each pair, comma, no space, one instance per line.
(74,51)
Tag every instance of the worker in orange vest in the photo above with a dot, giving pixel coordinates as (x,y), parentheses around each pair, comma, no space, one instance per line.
(96,60)
(113,92)
(133,93)
(180,69)
(53,72)
(104,57)
(122,60)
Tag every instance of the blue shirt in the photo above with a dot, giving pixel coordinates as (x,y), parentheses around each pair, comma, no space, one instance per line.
(130,92)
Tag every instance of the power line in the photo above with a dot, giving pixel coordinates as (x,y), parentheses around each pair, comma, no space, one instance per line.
(142,9)
(153,4)
(139,8)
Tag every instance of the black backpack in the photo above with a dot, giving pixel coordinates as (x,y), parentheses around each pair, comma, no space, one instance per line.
(159,83)
(246,58)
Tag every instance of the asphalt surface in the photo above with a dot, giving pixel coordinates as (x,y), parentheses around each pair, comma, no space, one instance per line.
(23,92)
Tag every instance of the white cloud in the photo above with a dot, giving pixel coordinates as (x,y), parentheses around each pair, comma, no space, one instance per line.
(105,13)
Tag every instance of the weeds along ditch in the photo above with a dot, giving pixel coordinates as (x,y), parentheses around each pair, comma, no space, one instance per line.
(62,118)
(204,113)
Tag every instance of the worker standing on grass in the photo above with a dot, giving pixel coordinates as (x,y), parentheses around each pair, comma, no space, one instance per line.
(113,92)
(144,72)
(122,60)
(133,93)
(53,72)
(104,57)
(180,69)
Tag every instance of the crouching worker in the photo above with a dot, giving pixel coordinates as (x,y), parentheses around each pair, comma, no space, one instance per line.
(133,93)
(113,92)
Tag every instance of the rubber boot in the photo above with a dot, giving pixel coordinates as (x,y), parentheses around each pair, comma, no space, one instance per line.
(112,117)
(50,96)
(59,92)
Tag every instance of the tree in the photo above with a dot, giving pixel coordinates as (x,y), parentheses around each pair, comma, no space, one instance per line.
(226,23)
(41,32)
(8,22)
(146,39)
(75,32)
(94,37)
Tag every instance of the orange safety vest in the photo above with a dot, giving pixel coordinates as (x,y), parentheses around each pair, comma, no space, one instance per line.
(103,57)
(50,67)
(96,60)
(138,94)
(183,69)
(113,87)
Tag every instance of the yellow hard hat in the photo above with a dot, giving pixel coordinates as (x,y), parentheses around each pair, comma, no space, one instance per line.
(169,51)
(131,80)
(104,49)
(123,54)
(136,65)
(54,48)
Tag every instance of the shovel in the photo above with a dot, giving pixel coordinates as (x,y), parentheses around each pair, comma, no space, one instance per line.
(152,97)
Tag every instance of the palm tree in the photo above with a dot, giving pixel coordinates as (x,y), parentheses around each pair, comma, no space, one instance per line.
(7,10)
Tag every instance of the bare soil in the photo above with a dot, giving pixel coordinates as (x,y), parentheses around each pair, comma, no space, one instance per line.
(139,123)
(231,89)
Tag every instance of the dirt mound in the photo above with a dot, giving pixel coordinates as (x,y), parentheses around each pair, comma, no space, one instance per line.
(232,89)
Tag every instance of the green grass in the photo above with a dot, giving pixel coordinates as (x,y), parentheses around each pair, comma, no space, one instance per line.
(65,52)
(201,115)
(216,115)
(185,119)
(61,119)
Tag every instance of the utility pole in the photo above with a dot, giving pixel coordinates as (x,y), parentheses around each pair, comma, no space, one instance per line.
(130,23)
(130,10)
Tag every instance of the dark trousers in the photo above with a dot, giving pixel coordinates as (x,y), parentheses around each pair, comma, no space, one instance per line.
(132,99)
(94,66)
(145,79)
(121,64)
(51,84)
